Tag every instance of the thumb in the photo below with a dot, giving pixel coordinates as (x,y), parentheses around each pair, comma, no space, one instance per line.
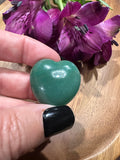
(26,127)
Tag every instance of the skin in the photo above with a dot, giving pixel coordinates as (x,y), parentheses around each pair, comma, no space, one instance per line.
(21,124)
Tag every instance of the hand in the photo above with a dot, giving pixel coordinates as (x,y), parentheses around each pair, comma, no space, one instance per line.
(25,125)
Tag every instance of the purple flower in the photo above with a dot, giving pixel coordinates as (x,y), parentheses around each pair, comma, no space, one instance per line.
(41,28)
(27,17)
(18,19)
(45,26)
(54,15)
(84,35)
(76,33)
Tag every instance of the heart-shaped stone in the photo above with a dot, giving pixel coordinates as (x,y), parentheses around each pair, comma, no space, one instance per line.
(53,82)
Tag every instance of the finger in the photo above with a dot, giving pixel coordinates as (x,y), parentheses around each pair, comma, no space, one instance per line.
(15,84)
(25,128)
(6,102)
(23,49)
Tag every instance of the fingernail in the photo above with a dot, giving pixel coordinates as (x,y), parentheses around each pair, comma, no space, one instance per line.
(57,119)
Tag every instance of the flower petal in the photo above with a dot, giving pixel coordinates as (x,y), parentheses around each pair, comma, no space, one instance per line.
(18,21)
(42,27)
(107,51)
(110,27)
(92,13)
(96,59)
(7,14)
(35,5)
(70,9)
(90,43)
(69,48)
(54,15)
(15,2)
(78,55)
(65,42)
(104,55)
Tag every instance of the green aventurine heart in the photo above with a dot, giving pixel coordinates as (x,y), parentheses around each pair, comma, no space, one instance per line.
(53,82)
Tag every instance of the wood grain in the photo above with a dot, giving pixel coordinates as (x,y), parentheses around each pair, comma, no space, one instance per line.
(96,133)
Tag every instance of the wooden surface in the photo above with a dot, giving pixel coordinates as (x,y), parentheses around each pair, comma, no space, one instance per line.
(96,133)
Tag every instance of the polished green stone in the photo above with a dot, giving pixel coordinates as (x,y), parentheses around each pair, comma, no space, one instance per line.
(53,82)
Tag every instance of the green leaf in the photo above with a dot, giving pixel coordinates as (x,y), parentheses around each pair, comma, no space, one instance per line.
(44,8)
(55,1)
(87,1)
(81,1)
(104,3)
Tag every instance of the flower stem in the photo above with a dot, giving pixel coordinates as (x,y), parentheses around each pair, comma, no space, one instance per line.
(49,5)
(60,4)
